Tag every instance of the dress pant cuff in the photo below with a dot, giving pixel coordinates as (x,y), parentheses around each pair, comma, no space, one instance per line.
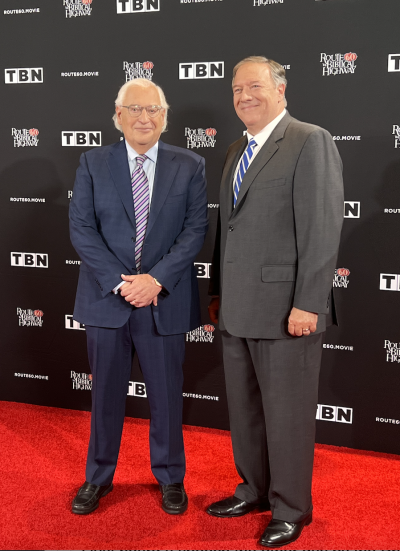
(247,496)
(288,515)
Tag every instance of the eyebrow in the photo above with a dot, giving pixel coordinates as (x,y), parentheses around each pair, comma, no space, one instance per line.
(252,82)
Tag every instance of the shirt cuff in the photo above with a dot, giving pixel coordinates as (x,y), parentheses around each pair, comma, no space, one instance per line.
(115,290)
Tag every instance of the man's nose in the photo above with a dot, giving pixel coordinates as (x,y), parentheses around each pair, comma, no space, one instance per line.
(246,95)
(144,117)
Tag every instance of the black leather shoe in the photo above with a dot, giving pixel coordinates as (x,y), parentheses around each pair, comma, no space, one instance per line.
(174,498)
(87,499)
(279,532)
(234,507)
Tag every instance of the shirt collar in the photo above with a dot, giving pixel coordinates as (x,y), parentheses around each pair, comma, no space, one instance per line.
(262,136)
(151,153)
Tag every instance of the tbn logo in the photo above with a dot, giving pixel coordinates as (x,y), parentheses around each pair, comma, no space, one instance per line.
(24,76)
(352,209)
(335,414)
(389,282)
(394,63)
(206,69)
(83,138)
(137,6)
(30,260)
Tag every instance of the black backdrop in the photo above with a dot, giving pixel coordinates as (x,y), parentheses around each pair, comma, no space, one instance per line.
(64,61)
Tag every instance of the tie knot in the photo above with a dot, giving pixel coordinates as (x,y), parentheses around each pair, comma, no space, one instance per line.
(252,144)
(140,159)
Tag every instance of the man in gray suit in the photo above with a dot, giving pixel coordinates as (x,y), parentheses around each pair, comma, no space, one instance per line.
(281,213)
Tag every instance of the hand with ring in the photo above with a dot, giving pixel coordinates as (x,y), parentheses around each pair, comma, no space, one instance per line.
(302,323)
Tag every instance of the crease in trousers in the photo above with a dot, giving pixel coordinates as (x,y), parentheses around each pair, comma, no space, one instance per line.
(272,389)
(161,357)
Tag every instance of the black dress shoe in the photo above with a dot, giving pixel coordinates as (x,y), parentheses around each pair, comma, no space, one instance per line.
(87,499)
(174,498)
(279,532)
(234,507)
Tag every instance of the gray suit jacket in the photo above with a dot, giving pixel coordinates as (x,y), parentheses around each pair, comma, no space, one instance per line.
(278,247)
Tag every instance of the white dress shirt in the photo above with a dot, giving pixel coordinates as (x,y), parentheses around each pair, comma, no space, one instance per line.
(260,139)
(149,167)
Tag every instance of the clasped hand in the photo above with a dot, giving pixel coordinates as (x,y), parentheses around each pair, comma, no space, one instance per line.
(140,290)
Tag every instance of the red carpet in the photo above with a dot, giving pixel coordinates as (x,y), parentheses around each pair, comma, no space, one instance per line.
(356,494)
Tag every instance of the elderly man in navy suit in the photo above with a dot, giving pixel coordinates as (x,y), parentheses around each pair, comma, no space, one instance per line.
(138,218)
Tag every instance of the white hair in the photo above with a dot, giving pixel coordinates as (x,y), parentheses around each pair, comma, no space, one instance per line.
(143,83)
(278,73)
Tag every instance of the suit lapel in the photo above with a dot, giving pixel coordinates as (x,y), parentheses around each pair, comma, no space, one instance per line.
(166,170)
(266,153)
(229,172)
(118,165)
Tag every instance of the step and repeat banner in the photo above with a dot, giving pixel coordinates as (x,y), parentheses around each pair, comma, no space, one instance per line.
(63,62)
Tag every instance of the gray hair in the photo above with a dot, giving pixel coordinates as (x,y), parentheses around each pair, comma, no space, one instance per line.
(143,83)
(278,73)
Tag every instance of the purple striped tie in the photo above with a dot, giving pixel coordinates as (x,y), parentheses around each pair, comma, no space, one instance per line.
(140,191)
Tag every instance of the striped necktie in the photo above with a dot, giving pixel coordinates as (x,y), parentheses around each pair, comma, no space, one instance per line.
(244,165)
(140,191)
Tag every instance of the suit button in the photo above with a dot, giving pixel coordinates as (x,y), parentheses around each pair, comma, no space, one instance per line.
(230,228)
(133,239)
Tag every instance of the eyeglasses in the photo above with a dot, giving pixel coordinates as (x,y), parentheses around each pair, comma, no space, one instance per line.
(136,110)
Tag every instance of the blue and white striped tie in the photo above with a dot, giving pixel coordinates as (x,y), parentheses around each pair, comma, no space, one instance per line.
(244,165)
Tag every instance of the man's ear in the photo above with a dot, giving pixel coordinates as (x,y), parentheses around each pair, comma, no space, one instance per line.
(281,90)
(118,112)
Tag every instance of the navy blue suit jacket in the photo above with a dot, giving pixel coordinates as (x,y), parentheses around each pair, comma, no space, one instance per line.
(103,229)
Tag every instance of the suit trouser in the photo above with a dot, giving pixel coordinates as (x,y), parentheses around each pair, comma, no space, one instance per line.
(161,357)
(272,389)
